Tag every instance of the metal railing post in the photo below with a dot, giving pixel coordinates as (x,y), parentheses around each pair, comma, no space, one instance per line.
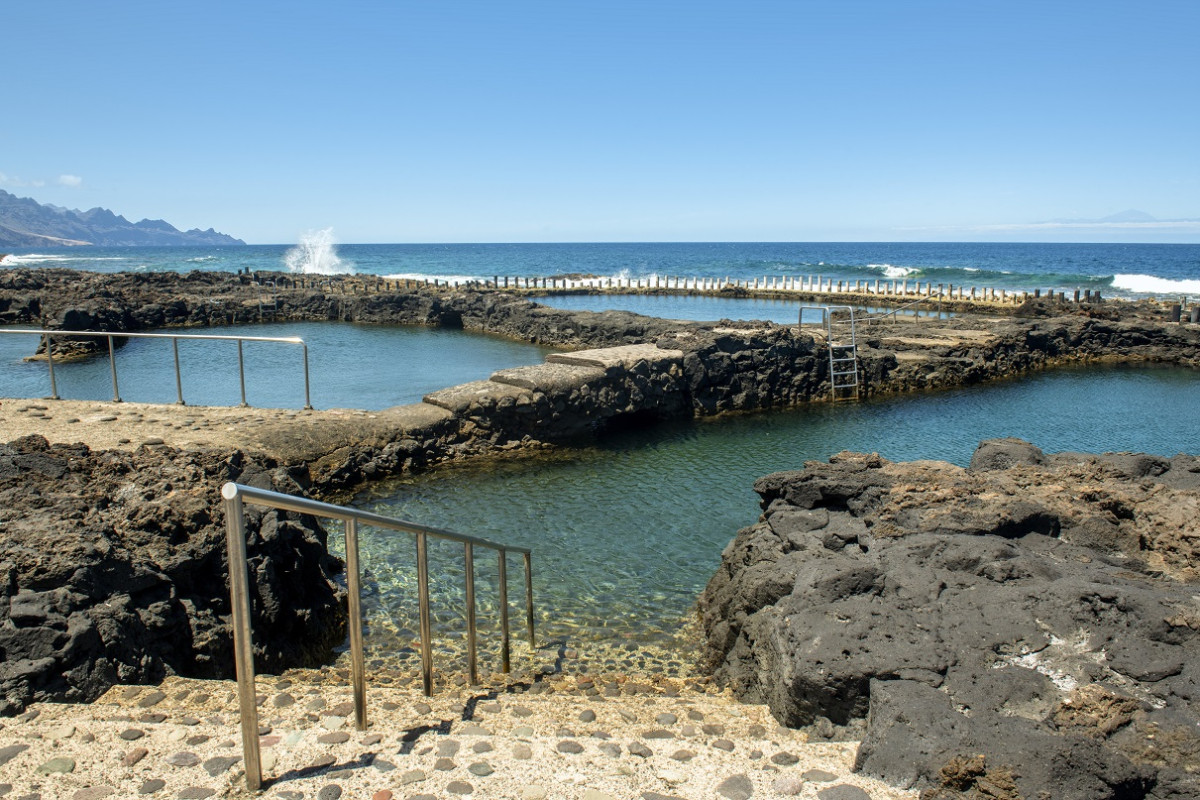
(469,570)
(50,363)
(353,585)
(505,647)
(307,401)
(178,378)
(242,373)
(239,596)
(423,611)
(112,363)
(529,598)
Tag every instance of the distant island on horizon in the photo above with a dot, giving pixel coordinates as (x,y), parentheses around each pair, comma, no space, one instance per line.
(24,222)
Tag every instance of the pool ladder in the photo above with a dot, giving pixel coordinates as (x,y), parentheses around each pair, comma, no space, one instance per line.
(841,336)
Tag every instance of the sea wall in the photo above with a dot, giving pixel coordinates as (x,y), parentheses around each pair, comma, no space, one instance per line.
(1028,625)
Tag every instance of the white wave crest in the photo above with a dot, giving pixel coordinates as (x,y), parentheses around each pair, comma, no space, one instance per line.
(892,271)
(316,254)
(1149,284)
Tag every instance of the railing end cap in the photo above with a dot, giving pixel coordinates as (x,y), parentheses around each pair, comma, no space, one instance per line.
(229,490)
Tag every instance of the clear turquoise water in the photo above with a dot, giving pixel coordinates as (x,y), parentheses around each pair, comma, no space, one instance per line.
(627,532)
(350,366)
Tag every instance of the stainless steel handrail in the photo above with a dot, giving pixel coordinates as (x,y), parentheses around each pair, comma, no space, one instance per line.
(236,495)
(48,336)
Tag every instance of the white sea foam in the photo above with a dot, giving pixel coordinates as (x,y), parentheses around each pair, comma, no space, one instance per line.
(40,258)
(316,254)
(1148,284)
(892,271)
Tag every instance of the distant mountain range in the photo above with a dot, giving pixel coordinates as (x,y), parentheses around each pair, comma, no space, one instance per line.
(27,223)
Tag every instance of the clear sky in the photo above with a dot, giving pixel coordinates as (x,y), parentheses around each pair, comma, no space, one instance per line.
(621,120)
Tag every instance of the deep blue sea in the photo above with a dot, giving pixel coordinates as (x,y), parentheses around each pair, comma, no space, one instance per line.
(1116,270)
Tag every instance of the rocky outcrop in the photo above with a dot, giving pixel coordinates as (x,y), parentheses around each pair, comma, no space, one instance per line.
(1037,611)
(113,570)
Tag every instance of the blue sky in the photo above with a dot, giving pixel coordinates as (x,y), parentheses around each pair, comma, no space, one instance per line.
(655,120)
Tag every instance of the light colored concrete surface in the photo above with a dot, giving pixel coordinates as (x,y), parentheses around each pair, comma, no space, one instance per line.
(610,357)
(549,377)
(565,738)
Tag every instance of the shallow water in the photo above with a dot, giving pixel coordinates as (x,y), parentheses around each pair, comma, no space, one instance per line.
(626,533)
(350,366)
(705,309)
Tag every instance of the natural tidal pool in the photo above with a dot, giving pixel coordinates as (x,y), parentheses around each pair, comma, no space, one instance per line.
(627,531)
(350,366)
(702,309)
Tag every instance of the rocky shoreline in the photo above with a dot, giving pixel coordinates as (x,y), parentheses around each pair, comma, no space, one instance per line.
(1038,612)
(112,561)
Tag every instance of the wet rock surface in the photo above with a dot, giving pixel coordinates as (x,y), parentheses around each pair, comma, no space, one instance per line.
(1038,611)
(113,569)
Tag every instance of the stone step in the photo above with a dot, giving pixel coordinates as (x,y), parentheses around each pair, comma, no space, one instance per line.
(549,378)
(625,356)
(458,399)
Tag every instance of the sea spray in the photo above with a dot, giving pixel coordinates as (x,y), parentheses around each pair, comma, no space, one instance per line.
(316,254)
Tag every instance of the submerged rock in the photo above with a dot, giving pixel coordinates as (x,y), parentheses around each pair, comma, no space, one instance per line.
(1037,610)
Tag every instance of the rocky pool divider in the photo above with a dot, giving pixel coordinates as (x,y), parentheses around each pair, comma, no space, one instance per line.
(112,561)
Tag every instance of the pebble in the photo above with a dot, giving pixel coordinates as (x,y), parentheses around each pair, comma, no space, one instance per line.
(818,776)
(534,793)
(683,755)
(371,739)
(283,700)
(522,752)
(843,791)
(196,793)
(330,792)
(183,759)
(444,764)
(340,737)
(482,747)
(448,748)
(460,787)
(785,759)
(640,750)
(62,732)
(266,759)
(151,786)
(587,716)
(220,764)
(473,730)
(321,762)
(152,699)
(659,733)
(788,785)
(93,793)
(736,787)
(481,769)
(666,719)
(54,765)
(134,756)
(11,751)
(723,744)
(382,794)
(412,776)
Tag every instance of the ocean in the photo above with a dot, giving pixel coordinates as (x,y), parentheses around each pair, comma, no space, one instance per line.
(1115,270)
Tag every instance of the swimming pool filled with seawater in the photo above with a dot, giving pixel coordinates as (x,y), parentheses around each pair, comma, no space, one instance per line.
(627,531)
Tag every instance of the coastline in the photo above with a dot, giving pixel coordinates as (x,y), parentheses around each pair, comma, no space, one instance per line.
(691,369)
